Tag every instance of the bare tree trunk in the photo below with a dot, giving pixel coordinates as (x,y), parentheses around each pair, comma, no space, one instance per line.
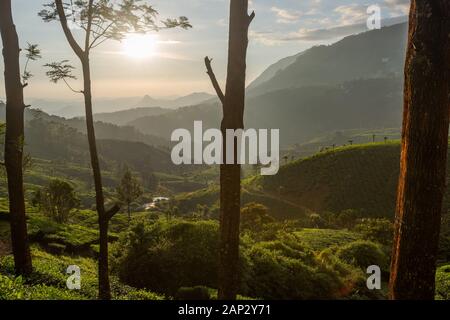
(14,139)
(424,151)
(104,216)
(230,174)
(103,220)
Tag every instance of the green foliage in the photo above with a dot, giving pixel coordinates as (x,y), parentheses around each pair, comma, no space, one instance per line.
(73,238)
(165,256)
(254,216)
(377,230)
(363,254)
(443,283)
(56,200)
(319,239)
(48,280)
(129,190)
(284,269)
(193,293)
(362,178)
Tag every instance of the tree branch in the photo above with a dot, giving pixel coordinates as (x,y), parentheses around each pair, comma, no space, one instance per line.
(251,17)
(70,87)
(89,27)
(213,78)
(112,212)
(63,19)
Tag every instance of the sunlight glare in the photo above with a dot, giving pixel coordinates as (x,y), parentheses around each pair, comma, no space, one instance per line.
(140,46)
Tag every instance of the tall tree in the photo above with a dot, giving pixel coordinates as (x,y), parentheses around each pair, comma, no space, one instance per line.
(129,190)
(14,135)
(424,151)
(100,20)
(233,103)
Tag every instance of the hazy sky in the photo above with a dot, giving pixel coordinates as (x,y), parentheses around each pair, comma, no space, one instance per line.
(281,28)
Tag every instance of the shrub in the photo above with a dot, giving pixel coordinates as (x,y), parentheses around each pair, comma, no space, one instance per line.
(56,200)
(167,255)
(286,270)
(193,293)
(254,216)
(443,283)
(363,254)
(378,230)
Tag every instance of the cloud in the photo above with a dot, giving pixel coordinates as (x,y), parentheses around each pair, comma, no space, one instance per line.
(285,16)
(319,34)
(399,6)
(351,14)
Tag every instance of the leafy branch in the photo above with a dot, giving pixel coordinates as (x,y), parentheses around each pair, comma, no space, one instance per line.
(33,53)
(61,71)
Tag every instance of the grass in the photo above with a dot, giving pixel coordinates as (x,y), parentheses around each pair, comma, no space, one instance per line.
(49,278)
(319,239)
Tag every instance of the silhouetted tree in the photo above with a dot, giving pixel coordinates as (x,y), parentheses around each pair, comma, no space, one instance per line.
(129,190)
(101,20)
(424,151)
(56,200)
(14,135)
(233,102)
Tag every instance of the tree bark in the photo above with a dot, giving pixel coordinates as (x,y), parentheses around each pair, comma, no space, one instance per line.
(424,151)
(14,139)
(103,216)
(230,174)
(103,220)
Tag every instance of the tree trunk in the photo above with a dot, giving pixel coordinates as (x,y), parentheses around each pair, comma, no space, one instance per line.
(230,174)
(424,151)
(103,220)
(14,140)
(129,211)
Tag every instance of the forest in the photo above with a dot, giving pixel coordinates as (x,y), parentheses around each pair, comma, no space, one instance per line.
(94,207)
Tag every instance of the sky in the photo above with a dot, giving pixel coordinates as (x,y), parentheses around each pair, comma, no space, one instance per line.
(175,66)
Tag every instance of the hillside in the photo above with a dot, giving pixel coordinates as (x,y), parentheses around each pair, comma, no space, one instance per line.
(301,114)
(122,118)
(189,100)
(373,54)
(55,141)
(362,178)
(352,84)
(103,130)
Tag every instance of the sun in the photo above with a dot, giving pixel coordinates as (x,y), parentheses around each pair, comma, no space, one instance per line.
(140,46)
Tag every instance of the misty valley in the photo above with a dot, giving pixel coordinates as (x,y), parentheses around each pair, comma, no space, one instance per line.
(135,196)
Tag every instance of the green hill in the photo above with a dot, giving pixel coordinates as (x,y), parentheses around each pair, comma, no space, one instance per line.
(360,177)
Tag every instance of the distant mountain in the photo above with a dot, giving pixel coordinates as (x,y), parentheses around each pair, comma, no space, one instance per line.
(103,130)
(355,83)
(121,118)
(373,54)
(55,141)
(75,108)
(272,70)
(189,100)
(301,114)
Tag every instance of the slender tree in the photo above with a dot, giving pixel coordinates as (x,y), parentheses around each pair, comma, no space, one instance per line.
(129,190)
(14,135)
(424,151)
(100,20)
(233,102)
